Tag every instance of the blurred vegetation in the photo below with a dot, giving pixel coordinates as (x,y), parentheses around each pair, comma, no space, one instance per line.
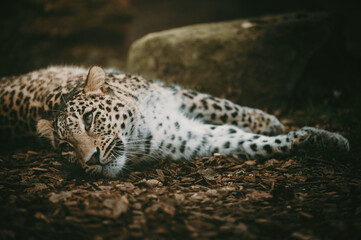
(38,33)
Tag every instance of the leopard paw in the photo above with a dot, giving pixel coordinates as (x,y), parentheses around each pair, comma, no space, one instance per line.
(328,141)
(274,127)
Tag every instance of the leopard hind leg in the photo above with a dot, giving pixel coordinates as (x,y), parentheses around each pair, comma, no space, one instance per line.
(220,111)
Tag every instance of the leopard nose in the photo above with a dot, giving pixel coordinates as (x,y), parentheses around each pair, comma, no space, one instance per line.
(95,158)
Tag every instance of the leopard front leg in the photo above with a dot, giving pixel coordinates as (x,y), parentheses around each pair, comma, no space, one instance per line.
(214,110)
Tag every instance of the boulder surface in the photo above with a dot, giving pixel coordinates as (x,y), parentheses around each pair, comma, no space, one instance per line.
(255,62)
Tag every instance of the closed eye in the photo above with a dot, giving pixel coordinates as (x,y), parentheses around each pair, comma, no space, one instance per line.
(65,147)
(88,119)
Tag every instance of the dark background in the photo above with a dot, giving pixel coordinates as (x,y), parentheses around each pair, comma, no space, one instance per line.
(39,33)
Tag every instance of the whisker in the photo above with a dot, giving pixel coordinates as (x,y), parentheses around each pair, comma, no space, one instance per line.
(153,155)
(144,148)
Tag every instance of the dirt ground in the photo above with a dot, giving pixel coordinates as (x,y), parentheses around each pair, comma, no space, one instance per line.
(303,197)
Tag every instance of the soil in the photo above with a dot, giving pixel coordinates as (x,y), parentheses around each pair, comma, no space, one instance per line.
(303,197)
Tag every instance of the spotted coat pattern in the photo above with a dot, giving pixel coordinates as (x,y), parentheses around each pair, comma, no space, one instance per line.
(103,120)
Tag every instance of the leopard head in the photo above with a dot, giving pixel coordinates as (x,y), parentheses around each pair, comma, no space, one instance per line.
(92,127)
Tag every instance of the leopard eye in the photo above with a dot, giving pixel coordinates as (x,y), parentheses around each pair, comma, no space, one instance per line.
(65,147)
(88,118)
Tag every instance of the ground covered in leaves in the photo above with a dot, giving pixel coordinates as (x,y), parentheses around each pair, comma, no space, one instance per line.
(299,197)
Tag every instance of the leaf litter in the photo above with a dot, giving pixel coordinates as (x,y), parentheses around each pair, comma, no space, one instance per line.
(209,198)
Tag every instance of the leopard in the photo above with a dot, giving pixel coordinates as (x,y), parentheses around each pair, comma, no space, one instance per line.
(103,119)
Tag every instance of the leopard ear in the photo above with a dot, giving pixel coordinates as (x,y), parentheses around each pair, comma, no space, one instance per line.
(45,129)
(94,80)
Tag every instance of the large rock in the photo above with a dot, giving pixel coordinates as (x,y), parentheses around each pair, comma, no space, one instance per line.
(255,62)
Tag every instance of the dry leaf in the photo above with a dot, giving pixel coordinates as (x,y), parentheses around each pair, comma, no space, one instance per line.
(40,186)
(227,189)
(187,179)
(251,162)
(41,216)
(153,183)
(259,195)
(212,192)
(39,169)
(209,174)
(168,208)
(241,228)
(302,236)
(307,215)
(199,196)
(160,174)
(126,186)
(301,178)
(328,170)
(179,198)
(287,164)
(271,163)
(57,197)
(118,206)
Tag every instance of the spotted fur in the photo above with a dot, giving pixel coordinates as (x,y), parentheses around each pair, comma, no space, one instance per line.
(101,120)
